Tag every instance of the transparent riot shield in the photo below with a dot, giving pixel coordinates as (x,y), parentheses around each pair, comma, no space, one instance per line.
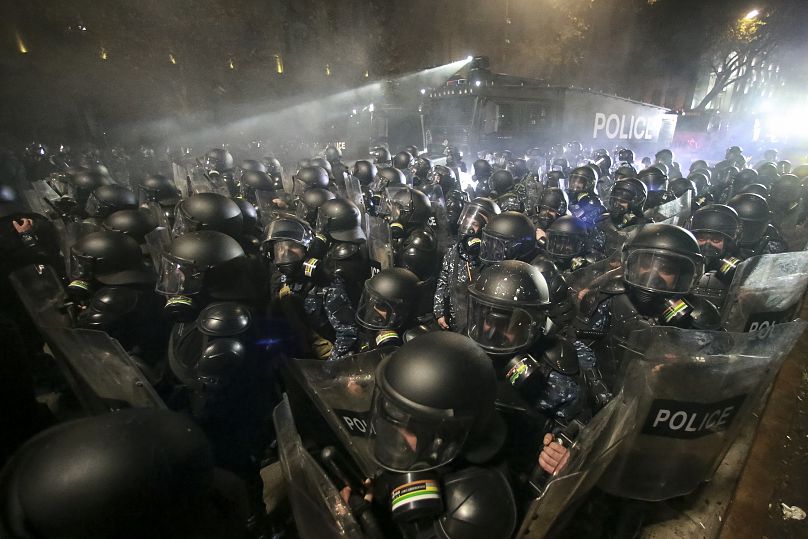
(591,452)
(35,204)
(158,241)
(342,391)
(530,189)
(201,182)
(47,197)
(674,212)
(42,294)
(766,290)
(353,192)
(439,221)
(379,244)
(317,506)
(70,233)
(100,371)
(695,390)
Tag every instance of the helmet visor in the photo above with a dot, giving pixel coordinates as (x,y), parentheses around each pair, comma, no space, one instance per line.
(564,245)
(500,329)
(493,249)
(472,220)
(286,251)
(753,231)
(659,271)
(182,223)
(376,312)
(407,441)
(177,277)
(81,267)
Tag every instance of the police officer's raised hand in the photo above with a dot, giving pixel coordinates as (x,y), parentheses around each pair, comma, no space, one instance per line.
(442,323)
(554,456)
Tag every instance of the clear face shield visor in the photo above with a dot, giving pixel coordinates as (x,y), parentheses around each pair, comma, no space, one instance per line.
(660,271)
(501,329)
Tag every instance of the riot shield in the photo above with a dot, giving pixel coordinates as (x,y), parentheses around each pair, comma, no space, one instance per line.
(591,452)
(353,192)
(766,290)
(70,233)
(342,391)
(46,195)
(158,241)
(317,506)
(439,220)
(695,390)
(674,212)
(100,371)
(530,189)
(42,294)
(379,243)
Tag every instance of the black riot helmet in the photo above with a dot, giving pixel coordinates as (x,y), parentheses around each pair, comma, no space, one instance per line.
(83,182)
(508,236)
(158,188)
(733,152)
(274,167)
(581,180)
(208,211)
(561,164)
(482,170)
(755,216)
(698,164)
(333,154)
(433,400)
(784,166)
(770,154)
(625,171)
(133,223)
(701,181)
(133,473)
(413,150)
(339,219)
(479,505)
(218,161)
(656,180)
(785,193)
(111,258)
(717,228)
(251,165)
(476,215)
(680,186)
(553,203)
(627,195)
(323,164)
(402,160)
(386,301)
(510,201)
(625,156)
(256,184)
(445,177)
(410,207)
(286,243)
(309,203)
(364,171)
(661,260)
(380,155)
(387,177)
(249,215)
(310,177)
(107,199)
(501,181)
(566,237)
(420,168)
(767,173)
(508,307)
(745,177)
(198,262)
(756,188)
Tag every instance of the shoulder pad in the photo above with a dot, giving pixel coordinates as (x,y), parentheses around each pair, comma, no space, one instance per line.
(417,331)
(773,233)
(224,319)
(114,300)
(562,357)
(611,282)
(343,250)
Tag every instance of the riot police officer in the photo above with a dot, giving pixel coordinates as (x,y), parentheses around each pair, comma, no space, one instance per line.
(553,203)
(461,264)
(339,224)
(309,203)
(758,235)
(159,195)
(508,236)
(482,173)
(387,308)
(717,228)
(566,244)
(322,308)
(218,166)
(656,183)
(107,199)
(419,171)
(415,245)
(380,156)
(660,265)
(584,203)
(334,157)
(501,182)
(208,211)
